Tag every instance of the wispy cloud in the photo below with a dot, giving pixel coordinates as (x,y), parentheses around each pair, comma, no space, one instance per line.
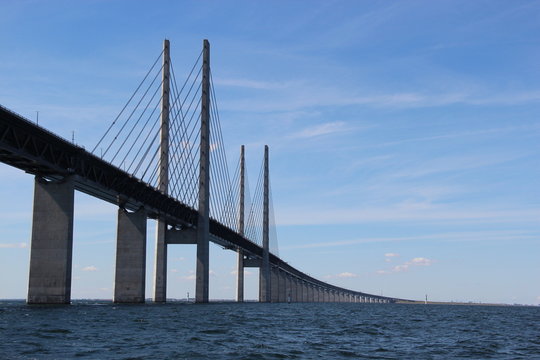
(308,96)
(509,235)
(21,245)
(343,275)
(404,211)
(417,261)
(90,268)
(464,134)
(253,84)
(389,256)
(347,275)
(321,129)
(456,164)
(246,272)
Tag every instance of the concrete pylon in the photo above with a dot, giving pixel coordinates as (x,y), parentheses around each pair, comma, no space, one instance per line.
(160,264)
(51,250)
(240,268)
(130,273)
(265,288)
(274,283)
(294,289)
(203,223)
(282,288)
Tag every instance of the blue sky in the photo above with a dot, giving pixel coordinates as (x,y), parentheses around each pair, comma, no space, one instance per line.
(404,136)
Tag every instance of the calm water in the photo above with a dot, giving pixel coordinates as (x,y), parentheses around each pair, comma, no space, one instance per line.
(101,330)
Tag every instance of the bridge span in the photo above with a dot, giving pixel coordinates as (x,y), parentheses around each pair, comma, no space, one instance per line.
(61,167)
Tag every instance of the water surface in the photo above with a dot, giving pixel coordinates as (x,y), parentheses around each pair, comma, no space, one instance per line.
(101,330)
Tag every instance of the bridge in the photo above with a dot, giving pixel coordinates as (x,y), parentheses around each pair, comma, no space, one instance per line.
(173,170)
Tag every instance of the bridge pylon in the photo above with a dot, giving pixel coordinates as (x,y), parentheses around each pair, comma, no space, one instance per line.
(265,288)
(240,269)
(203,222)
(160,264)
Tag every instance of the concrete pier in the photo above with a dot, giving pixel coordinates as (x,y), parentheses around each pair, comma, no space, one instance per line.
(160,263)
(274,281)
(130,274)
(282,288)
(294,289)
(52,242)
(288,288)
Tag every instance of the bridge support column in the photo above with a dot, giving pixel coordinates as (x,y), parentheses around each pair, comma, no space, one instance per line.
(304,291)
(240,277)
(282,289)
(294,289)
(52,242)
(160,263)
(311,293)
(130,274)
(274,273)
(288,288)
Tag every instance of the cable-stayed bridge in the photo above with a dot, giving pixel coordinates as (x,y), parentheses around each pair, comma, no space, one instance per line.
(162,158)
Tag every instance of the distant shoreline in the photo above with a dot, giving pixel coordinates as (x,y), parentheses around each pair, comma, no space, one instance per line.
(460,303)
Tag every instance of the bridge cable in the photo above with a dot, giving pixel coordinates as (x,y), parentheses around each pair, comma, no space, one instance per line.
(125,106)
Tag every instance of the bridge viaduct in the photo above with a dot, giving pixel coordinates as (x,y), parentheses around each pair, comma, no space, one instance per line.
(61,167)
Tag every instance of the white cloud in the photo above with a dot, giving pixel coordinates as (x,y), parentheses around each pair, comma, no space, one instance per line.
(246,272)
(174,270)
(214,146)
(400,268)
(417,261)
(347,275)
(390,256)
(421,261)
(189,277)
(90,268)
(14,246)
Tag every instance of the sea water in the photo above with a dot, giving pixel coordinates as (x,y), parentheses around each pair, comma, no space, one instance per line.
(102,330)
